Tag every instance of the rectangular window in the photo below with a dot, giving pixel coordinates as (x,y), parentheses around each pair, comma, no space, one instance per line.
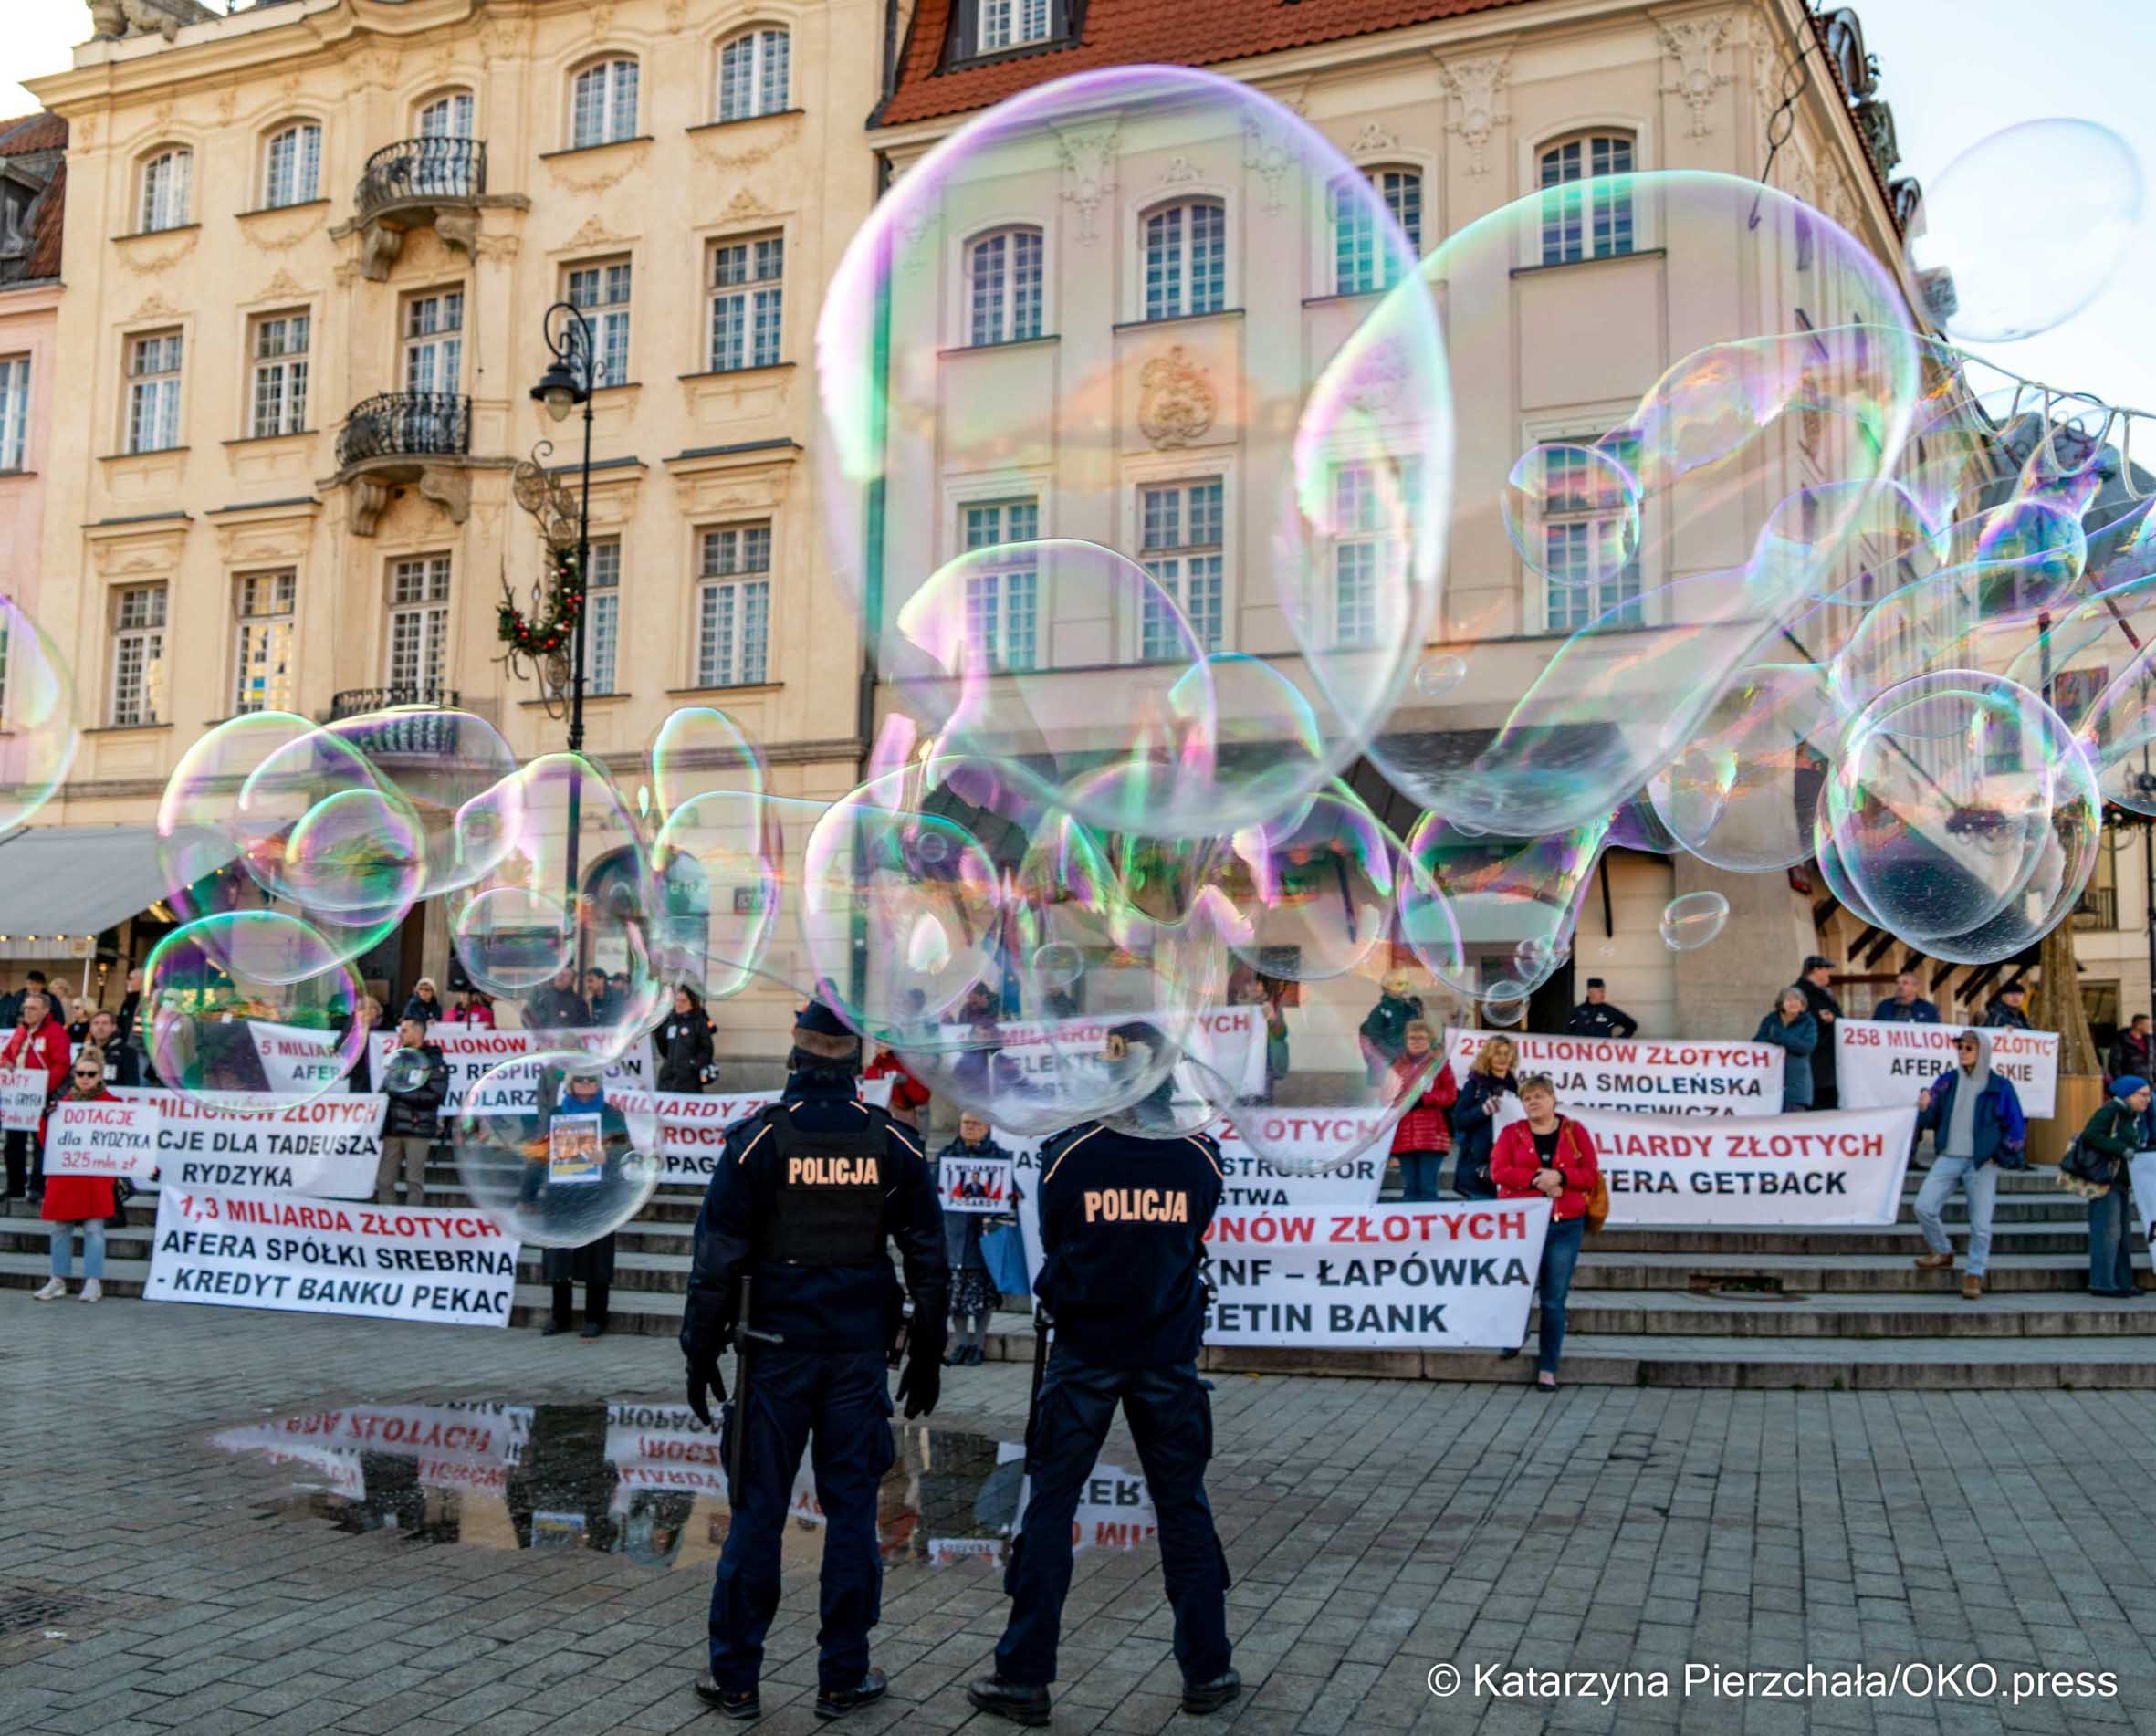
(1003,597)
(293,171)
(601,292)
(1005,286)
(1181,532)
(734,607)
(278,405)
(603,104)
(1586,218)
(418,629)
(1590,554)
(602,617)
(15,410)
(137,655)
(262,656)
(164,191)
(433,341)
(1360,265)
(748,297)
(753,73)
(1012,24)
(1186,260)
(154,391)
(1373,508)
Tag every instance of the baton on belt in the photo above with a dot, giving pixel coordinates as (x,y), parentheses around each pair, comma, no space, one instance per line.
(745,1339)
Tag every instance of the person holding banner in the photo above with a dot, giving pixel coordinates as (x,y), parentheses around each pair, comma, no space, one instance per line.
(1483,1100)
(79,1202)
(38,1044)
(1550,1155)
(1976,1125)
(1384,1030)
(415,1079)
(1791,1028)
(581,1097)
(973,1293)
(2119,1129)
(685,1045)
(1423,1137)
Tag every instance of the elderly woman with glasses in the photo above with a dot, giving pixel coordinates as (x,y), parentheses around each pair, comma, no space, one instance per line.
(79,1202)
(1977,1129)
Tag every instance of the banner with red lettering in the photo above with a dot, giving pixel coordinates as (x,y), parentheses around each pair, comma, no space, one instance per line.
(330,1146)
(692,1126)
(1842,1166)
(1662,1075)
(257,1248)
(110,1136)
(22,1098)
(1878,1064)
(471,1054)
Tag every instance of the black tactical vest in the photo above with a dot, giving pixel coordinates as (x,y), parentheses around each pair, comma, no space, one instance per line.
(827,1192)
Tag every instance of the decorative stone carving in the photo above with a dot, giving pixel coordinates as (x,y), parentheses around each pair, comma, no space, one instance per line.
(504,39)
(1378,374)
(498,247)
(780,130)
(620,163)
(280,235)
(379,246)
(1692,43)
(146,258)
(449,489)
(369,500)
(284,284)
(745,206)
(155,307)
(371,68)
(458,229)
(1180,169)
(602,19)
(1478,86)
(1270,153)
(1088,156)
(1374,140)
(1176,402)
(145,18)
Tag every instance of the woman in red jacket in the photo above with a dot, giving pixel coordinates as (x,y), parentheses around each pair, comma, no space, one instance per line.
(909,1096)
(1550,1155)
(40,1045)
(79,1202)
(1424,1135)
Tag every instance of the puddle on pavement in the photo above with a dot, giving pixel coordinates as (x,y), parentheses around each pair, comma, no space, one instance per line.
(644,1481)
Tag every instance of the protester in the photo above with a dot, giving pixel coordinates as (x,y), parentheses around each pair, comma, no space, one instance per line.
(1825,1008)
(425,1003)
(1595,1017)
(1975,1122)
(473,1010)
(974,1297)
(2129,1055)
(39,1045)
(909,1096)
(1423,1137)
(2010,1010)
(1549,1155)
(1276,1033)
(130,1004)
(1792,1029)
(1905,1005)
(367,1016)
(685,1045)
(1384,1032)
(600,1003)
(2120,1127)
(556,1004)
(103,1035)
(592,1264)
(79,1202)
(11,1003)
(416,1091)
(1490,1083)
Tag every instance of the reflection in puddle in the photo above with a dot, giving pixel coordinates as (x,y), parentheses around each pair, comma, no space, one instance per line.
(644,1481)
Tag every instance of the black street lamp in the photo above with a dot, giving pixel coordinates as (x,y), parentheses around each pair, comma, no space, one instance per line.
(568,383)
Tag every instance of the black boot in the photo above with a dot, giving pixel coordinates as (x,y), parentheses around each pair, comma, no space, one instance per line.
(1014,1700)
(745,1706)
(836,1703)
(1199,1697)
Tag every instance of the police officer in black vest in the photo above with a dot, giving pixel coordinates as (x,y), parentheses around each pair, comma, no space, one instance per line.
(804,1195)
(1596,1017)
(1123,1223)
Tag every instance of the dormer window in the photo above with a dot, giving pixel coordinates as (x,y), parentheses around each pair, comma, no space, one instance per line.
(15,207)
(1002,26)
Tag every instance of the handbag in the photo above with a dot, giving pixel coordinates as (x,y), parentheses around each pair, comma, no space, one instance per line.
(2085,1164)
(1004,1250)
(124,1190)
(1598,1206)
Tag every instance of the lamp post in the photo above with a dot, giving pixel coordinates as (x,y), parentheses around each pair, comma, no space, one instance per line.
(568,383)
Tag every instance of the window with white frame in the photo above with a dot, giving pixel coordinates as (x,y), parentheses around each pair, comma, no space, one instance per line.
(292,165)
(1373,507)
(163,203)
(752,74)
(1186,260)
(154,391)
(1362,260)
(450,115)
(1586,528)
(433,340)
(1003,594)
(1012,24)
(603,104)
(263,604)
(137,655)
(600,291)
(15,410)
(1181,531)
(1003,276)
(734,607)
(418,628)
(277,404)
(747,301)
(1587,214)
(601,625)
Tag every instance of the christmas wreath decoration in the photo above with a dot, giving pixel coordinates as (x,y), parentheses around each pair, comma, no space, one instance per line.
(547,634)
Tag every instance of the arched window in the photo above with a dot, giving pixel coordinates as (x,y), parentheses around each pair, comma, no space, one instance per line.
(292,165)
(163,203)
(1186,258)
(603,104)
(1003,287)
(1360,263)
(448,116)
(753,73)
(1582,220)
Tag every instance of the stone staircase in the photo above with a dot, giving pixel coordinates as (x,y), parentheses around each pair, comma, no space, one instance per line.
(1758,1308)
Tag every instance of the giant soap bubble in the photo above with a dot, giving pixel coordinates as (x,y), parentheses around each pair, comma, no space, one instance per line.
(546,1148)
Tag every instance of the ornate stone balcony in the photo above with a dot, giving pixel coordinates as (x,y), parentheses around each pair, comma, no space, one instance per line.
(424,437)
(419,183)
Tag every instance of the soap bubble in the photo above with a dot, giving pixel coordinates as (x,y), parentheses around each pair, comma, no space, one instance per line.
(405,1070)
(699,750)
(1437,677)
(1058,965)
(1311,898)
(1692,919)
(1741,794)
(2024,229)
(1556,489)
(544,1150)
(1481,912)
(431,762)
(38,731)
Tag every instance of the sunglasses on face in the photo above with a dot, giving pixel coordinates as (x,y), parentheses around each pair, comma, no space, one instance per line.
(88,1072)
(1967,1049)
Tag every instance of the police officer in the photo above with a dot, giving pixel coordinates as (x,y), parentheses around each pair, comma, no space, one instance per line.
(1123,1223)
(1595,1017)
(803,1195)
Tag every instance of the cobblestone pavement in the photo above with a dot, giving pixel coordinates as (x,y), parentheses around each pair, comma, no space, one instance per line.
(1376,1530)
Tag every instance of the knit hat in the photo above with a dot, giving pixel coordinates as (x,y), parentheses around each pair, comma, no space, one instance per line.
(2125,1087)
(818,1017)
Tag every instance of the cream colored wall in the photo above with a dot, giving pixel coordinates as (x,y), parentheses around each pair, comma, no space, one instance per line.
(29,326)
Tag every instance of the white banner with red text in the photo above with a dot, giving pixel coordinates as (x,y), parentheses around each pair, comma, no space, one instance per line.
(472,1053)
(106,1136)
(257,1248)
(330,1147)
(1841,1167)
(692,1127)
(22,1099)
(1878,1064)
(1658,1075)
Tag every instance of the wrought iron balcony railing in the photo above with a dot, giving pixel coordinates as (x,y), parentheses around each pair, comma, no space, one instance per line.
(422,171)
(406,424)
(356,700)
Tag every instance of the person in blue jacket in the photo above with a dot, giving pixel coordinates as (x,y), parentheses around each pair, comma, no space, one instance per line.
(1976,1126)
(1792,1029)
(1905,1005)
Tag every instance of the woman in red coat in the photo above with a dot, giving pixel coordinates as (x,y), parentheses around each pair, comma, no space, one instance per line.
(1553,1156)
(1424,1135)
(909,1096)
(40,1045)
(84,1202)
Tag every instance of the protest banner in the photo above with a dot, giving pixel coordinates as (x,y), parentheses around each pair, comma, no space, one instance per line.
(1841,1167)
(330,1147)
(259,1249)
(22,1099)
(692,1127)
(973,1184)
(108,1136)
(1114,1507)
(1228,1042)
(1664,1075)
(1879,1064)
(297,1059)
(663,1446)
(471,1054)
(1314,1143)
(2142,1171)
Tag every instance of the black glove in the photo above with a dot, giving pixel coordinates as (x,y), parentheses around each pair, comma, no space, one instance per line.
(706,1328)
(920,1382)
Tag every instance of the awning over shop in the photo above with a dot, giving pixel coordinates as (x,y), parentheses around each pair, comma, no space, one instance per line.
(62,880)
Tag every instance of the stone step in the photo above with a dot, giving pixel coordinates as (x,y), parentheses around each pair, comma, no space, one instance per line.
(1894,1274)
(1939,1312)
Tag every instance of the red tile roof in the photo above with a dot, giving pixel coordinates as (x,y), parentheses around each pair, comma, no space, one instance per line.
(30,132)
(1190,33)
(46,216)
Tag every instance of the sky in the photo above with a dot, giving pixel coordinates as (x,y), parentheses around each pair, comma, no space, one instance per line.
(1954,70)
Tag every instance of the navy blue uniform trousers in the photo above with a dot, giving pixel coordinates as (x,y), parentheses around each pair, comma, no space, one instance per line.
(837,1400)
(1173,1425)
